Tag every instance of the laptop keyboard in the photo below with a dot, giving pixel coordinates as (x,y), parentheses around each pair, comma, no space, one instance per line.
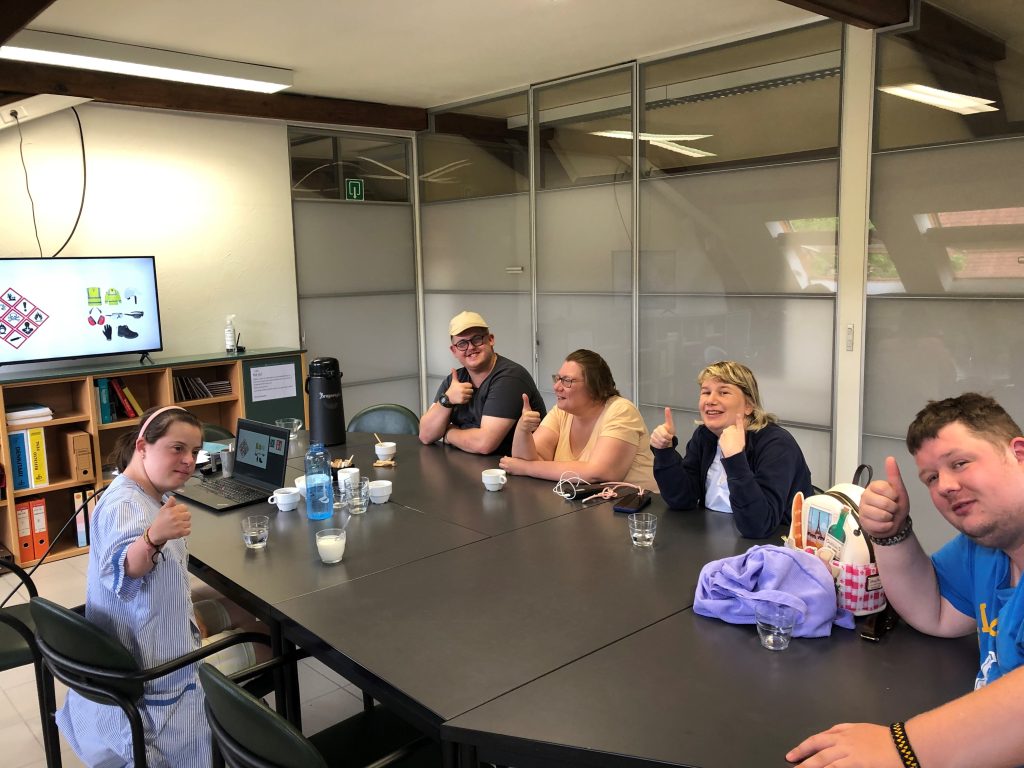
(233,490)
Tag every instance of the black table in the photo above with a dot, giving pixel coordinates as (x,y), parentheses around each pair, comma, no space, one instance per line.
(459,604)
(444,482)
(698,692)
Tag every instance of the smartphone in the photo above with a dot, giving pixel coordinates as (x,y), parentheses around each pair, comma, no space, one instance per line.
(634,502)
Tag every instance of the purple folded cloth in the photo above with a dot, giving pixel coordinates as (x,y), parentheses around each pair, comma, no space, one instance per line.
(728,589)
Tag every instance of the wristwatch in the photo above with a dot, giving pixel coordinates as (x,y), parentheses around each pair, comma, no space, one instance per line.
(443,400)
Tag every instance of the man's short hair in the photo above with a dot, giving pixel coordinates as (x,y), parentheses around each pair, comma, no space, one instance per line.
(982,415)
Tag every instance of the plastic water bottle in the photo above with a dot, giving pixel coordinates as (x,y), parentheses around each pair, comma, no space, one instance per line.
(319,490)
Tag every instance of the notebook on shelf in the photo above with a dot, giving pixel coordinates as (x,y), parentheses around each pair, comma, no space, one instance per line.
(261,460)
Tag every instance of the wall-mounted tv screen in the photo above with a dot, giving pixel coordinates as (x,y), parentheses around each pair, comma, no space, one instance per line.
(55,309)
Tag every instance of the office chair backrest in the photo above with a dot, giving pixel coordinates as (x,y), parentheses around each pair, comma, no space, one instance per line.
(249,734)
(386,419)
(66,636)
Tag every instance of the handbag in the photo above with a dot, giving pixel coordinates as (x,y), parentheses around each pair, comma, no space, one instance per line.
(827,525)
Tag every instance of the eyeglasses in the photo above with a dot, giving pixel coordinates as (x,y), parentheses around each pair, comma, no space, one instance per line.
(477,341)
(565,381)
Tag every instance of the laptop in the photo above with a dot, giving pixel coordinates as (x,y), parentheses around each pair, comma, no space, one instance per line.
(261,460)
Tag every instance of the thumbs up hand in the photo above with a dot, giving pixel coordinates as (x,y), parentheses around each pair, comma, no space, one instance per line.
(662,435)
(530,419)
(884,505)
(459,392)
(734,437)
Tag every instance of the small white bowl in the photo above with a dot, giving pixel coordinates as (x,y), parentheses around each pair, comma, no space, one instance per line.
(385,450)
(380,491)
(300,483)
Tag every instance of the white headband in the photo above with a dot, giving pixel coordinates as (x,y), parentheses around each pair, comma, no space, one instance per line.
(154,414)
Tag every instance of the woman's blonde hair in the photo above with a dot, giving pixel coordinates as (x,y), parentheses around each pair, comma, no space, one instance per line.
(737,374)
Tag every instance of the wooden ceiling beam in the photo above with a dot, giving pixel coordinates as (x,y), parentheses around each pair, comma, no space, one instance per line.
(16,14)
(22,77)
(867,14)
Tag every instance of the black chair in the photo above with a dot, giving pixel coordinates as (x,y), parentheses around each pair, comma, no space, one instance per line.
(17,648)
(99,667)
(215,433)
(386,419)
(246,734)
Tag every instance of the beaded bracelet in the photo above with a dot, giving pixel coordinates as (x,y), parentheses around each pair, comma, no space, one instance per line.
(898,732)
(157,550)
(900,535)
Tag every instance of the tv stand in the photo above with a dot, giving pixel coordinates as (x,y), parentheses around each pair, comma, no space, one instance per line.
(144,357)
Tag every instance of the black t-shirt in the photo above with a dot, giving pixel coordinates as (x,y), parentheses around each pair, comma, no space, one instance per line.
(500,395)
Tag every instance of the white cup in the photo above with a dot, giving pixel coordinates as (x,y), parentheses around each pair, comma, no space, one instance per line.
(494,479)
(286,499)
(385,450)
(348,473)
(330,545)
(300,483)
(380,491)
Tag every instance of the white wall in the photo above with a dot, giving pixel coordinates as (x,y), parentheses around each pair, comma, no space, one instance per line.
(208,197)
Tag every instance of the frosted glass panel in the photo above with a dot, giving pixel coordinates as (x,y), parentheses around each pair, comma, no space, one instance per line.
(931,529)
(360,396)
(583,239)
(926,349)
(509,318)
(468,245)
(948,220)
(815,445)
(787,343)
(347,248)
(760,230)
(599,323)
(352,329)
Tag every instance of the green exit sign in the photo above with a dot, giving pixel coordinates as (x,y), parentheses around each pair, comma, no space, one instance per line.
(354,189)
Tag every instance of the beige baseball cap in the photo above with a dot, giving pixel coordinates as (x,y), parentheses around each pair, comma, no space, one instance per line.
(465,320)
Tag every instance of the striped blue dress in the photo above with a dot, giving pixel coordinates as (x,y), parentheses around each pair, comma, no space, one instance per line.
(153,617)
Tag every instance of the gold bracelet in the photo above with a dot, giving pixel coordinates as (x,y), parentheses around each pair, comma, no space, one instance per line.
(149,541)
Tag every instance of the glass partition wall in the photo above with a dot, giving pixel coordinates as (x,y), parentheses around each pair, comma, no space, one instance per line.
(945,289)
(738,207)
(354,250)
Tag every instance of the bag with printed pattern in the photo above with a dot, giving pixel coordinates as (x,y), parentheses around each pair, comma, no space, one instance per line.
(828,525)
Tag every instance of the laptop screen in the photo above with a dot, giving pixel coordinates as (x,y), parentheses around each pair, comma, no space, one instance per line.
(261,452)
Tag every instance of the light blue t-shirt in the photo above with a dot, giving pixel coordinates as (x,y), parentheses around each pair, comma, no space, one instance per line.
(976,580)
(716,490)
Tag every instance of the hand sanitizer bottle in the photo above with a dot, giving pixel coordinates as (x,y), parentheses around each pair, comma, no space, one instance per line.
(229,336)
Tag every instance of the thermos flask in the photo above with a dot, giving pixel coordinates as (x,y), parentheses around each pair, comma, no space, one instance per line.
(326,409)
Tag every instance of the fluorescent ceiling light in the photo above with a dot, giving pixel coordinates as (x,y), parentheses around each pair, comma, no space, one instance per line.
(935,97)
(653,136)
(104,56)
(664,140)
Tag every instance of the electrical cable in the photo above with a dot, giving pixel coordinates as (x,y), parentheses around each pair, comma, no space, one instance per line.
(81,204)
(21,151)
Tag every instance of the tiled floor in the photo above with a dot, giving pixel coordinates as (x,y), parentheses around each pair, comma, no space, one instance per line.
(326,697)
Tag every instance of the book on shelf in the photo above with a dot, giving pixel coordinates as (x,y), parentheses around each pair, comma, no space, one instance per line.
(106,407)
(17,443)
(122,398)
(38,474)
(218,388)
(40,534)
(23,513)
(131,398)
(26,412)
(83,511)
(190,388)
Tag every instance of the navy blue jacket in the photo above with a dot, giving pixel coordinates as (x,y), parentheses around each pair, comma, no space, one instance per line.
(763,478)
